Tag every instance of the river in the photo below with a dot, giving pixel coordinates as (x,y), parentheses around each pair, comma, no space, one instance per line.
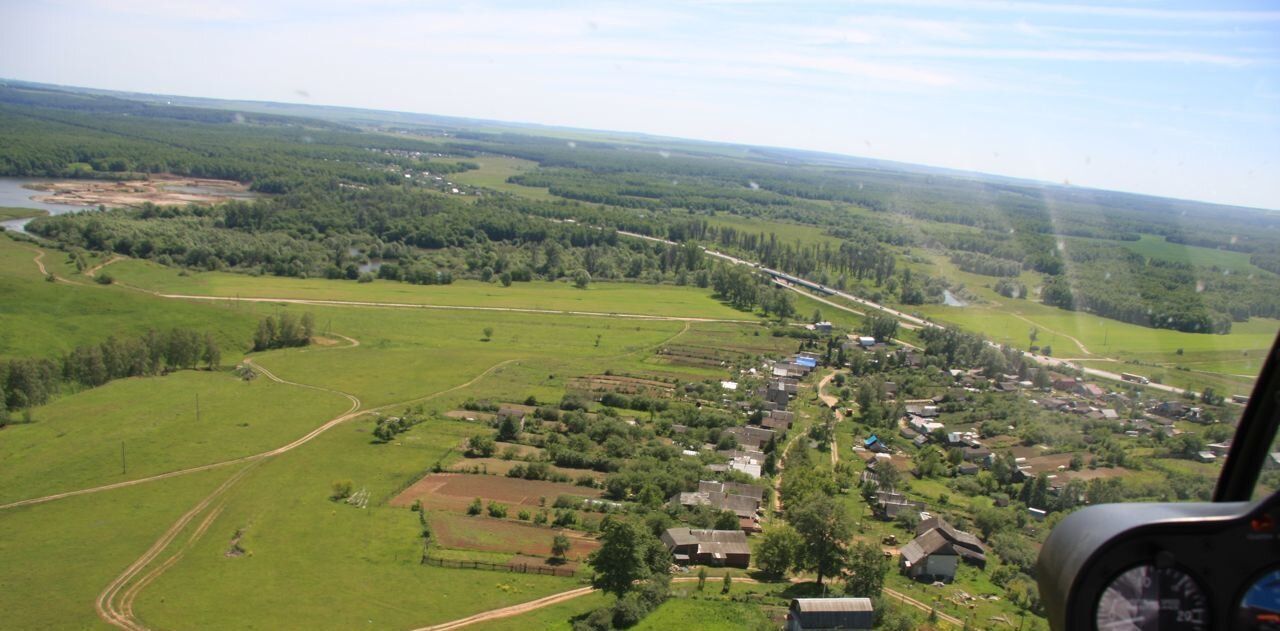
(13,195)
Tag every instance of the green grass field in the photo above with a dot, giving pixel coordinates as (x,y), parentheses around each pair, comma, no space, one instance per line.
(556,617)
(56,558)
(786,232)
(707,615)
(43,319)
(605,298)
(493,174)
(334,561)
(81,436)
(1155,247)
(1073,334)
(307,561)
(8,212)
(403,352)
(313,563)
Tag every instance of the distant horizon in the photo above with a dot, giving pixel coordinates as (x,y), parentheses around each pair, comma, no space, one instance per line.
(1178,100)
(590,130)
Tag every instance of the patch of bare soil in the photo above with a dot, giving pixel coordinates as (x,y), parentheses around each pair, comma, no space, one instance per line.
(235,550)
(162,190)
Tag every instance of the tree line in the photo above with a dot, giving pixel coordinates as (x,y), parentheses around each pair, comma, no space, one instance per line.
(30,382)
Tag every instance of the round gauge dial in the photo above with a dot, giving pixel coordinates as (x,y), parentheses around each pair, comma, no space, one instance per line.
(1260,607)
(1147,598)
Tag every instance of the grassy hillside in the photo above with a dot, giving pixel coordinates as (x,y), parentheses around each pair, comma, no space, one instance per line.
(44,319)
(599,297)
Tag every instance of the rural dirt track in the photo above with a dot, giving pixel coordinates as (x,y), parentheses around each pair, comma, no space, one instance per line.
(411,305)
(345,416)
(513,610)
(115,604)
(114,607)
(1083,349)
(554,599)
(923,607)
(39,261)
(94,270)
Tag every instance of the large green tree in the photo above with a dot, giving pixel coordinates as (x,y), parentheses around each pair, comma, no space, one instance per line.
(867,567)
(779,551)
(628,553)
(826,528)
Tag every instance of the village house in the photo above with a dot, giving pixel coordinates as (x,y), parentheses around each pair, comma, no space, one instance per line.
(977,453)
(778,420)
(720,548)
(806,614)
(742,500)
(891,504)
(923,425)
(752,438)
(968,547)
(926,411)
(748,461)
(1090,390)
(929,557)
(874,444)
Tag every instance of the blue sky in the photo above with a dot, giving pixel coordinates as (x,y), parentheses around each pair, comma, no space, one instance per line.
(1170,98)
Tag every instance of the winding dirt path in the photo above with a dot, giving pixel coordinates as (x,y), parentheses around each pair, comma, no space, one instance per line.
(115,604)
(116,613)
(94,270)
(351,412)
(923,607)
(39,261)
(555,599)
(1083,349)
(513,610)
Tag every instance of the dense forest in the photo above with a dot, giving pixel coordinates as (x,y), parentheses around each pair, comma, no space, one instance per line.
(346,203)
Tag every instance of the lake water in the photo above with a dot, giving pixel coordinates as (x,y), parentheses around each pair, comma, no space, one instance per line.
(13,195)
(950,299)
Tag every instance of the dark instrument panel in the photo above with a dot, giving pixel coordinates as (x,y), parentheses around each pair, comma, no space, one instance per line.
(1164,567)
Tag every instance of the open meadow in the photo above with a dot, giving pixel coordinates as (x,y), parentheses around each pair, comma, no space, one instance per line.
(275,531)
(599,298)
(42,318)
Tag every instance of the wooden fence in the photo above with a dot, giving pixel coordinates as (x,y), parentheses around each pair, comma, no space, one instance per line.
(523,568)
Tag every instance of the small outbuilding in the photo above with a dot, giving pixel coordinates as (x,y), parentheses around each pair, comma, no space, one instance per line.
(830,613)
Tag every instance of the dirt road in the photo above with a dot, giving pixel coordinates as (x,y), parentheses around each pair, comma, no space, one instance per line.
(115,604)
(554,599)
